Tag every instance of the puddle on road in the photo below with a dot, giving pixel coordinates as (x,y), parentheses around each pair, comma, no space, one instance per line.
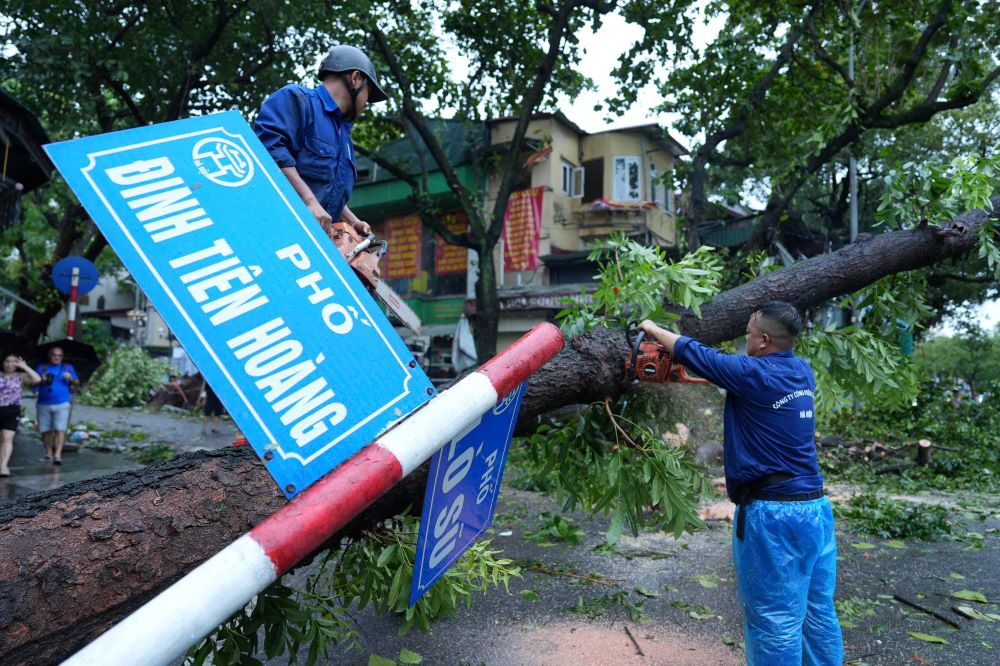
(29,474)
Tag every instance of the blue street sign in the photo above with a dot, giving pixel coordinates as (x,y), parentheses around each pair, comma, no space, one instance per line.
(462,491)
(62,275)
(298,352)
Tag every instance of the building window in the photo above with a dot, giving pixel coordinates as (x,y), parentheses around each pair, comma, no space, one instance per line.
(572,180)
(626,174)
(655,187)
(593,181)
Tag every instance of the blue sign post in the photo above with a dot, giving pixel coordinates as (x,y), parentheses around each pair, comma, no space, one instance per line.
(298,352)
(462,491)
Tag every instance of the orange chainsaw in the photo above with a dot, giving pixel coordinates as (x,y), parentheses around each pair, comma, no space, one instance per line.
(651,362)
(363,255)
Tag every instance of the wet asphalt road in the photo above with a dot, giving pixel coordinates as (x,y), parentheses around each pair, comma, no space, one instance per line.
(123,431)
(673,600)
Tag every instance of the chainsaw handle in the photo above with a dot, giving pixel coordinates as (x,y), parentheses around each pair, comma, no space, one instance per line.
(634,357)
(683,377)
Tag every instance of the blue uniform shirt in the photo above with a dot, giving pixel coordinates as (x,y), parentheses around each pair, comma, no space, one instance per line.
(769,422)
(303,128)
(54,389)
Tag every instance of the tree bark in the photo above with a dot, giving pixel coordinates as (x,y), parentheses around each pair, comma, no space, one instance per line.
(79,558)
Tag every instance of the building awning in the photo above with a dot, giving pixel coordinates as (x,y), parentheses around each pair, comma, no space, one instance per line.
(21,141)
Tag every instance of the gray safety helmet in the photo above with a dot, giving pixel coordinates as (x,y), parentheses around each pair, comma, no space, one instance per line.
(345,58)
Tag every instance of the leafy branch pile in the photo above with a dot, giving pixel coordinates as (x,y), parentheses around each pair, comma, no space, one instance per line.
(587,462)
(893,519)
(126,379)
(374,570)
(965,440)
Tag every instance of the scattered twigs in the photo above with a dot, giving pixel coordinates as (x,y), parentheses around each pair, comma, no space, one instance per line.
(912,604)
(621,431)
(600,580)
(638,649)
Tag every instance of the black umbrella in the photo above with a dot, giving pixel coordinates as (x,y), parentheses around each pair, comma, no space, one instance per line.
(80,355)
(12,342)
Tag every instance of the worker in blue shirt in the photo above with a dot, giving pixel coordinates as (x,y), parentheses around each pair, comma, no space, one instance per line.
(308,133)
(784,547)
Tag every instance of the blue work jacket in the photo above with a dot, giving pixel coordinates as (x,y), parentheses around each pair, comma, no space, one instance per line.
(769,425)
(303,128)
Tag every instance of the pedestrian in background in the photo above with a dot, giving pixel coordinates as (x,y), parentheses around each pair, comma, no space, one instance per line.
(54,403)
(212,410)
(11,385)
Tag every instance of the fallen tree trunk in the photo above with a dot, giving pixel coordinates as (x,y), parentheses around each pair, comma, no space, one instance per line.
(79,558)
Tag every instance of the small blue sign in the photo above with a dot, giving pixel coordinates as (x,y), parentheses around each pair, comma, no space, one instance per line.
(462,491)
(270,312)
(62,275)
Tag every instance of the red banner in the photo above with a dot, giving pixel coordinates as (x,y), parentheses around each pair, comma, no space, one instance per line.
(522,228)
(451,259)
(403,258)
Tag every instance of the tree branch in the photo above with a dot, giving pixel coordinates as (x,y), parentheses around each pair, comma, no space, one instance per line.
(419,199)
(419,123)
(141,530)
(824,55)
(909,69)
(529,102)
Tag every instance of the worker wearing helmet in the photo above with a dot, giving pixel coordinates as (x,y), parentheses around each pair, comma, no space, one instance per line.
(308,133)
(784,546)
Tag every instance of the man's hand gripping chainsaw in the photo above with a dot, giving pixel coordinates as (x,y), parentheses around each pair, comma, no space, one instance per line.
(363,255)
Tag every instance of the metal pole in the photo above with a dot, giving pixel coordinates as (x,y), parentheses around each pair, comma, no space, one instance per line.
(852,165)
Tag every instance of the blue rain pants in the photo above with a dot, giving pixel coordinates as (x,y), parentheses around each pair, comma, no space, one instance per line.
(786,573)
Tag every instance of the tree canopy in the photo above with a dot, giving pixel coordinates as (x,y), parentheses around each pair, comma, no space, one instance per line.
(784,93)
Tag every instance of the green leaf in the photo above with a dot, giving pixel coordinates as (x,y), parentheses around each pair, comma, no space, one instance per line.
(973,613)
(706,581)
(895,543)
(529,595)
(927,638)
(614,467)
(409,657)
(862,545)
(970,595)
(378,660)
(386,556)
(618,519)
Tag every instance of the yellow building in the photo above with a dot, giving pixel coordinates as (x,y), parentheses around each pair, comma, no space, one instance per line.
(590,186)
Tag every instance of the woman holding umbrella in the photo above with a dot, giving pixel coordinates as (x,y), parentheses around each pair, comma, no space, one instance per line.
(11,382)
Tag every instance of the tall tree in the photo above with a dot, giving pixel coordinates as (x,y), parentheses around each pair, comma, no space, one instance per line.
(518,65)
(774,96)
(517,68)
(90,67)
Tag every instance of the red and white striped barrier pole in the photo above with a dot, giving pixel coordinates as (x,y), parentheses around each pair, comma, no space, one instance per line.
(74,287)
(191,608)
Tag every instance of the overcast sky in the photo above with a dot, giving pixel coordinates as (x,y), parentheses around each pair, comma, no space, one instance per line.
(602,49)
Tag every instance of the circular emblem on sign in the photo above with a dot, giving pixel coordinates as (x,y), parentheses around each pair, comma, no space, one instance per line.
(223,162)
(502,406)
